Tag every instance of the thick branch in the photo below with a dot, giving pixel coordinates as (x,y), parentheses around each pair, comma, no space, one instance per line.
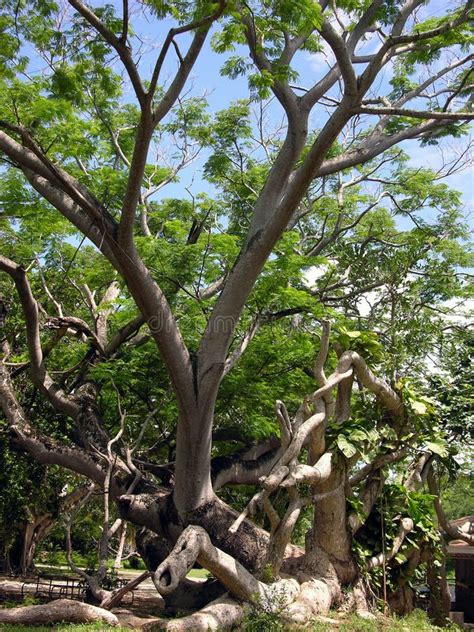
(39,374)
(373,146)
(42,448)
(236,470)
(339,48)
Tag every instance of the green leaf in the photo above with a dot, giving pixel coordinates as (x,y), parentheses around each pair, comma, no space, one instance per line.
(347,448)
(438,446)
(418,407)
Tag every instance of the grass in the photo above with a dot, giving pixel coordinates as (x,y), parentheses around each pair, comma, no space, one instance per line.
(202,573)
(417,621)
(65,627)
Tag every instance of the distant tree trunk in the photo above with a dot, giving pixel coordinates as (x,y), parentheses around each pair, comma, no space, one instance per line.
(440,598)
(121,545)
(28,549)
(32,534)
(22,551)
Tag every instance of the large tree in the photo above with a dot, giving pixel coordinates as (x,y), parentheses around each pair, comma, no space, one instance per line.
(89,140)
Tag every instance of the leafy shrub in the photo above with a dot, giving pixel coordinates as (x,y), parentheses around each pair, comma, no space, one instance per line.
(265,614)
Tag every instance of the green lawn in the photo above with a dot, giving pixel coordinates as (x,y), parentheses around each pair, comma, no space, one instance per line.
(96,627)
(415,622)
(198,572)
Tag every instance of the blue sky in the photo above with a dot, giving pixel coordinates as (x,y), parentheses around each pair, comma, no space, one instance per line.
(221,91)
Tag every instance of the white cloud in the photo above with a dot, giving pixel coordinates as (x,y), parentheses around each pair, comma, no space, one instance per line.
(322,61)
(314,273)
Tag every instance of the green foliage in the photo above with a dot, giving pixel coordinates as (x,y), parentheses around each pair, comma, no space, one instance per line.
(365,343)
(264,614)
(454,387)
(458,496)
(382,525)
(28,490)
(29,600)
(274,21)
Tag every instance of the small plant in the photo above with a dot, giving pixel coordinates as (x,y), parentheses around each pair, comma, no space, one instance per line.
(264,614)
(135,563)
(268,575)
(29,600)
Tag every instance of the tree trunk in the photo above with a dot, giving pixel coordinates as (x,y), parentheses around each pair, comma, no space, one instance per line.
(120,548)
(248,544)
(402,601)
(29,546)
(328,546)
(31,533)
(193,486)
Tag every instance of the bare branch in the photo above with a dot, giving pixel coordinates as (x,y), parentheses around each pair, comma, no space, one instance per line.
(56,304)
(201,27)
(430,115)
(377,464)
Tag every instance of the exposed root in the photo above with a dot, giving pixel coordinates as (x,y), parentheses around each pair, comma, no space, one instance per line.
(61,610)
(315,598)
(297,604)
(194,545)
(358,601)
(222,614)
